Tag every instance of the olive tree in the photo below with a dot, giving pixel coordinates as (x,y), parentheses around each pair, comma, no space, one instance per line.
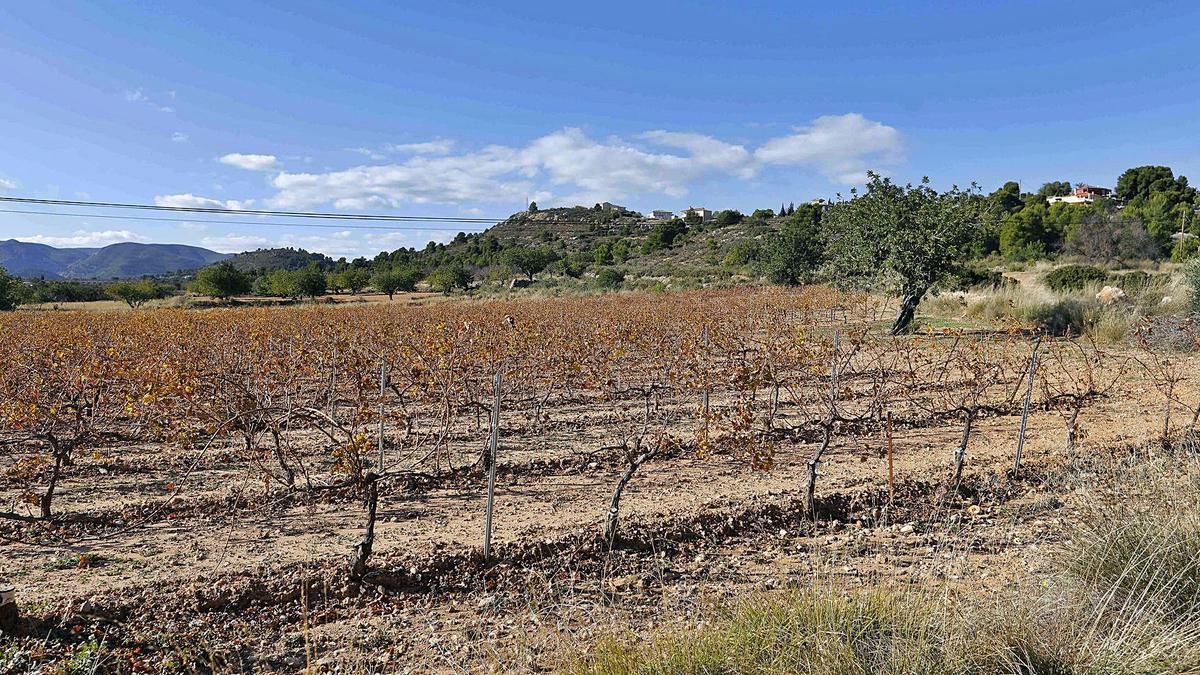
(137,293)
(393,279)
(527,261)
(10,288)
(221,281)
(903,239)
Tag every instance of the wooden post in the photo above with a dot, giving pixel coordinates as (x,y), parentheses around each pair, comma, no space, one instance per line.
(1025,410)
(493,442)
(891,464)
(333,387)
(706,383)
(833,374)
(382,391)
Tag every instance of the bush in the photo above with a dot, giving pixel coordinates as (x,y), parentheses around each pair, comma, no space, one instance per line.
(222,281)
(446,279)
(979,277)
(729,217)
(742,253)
(1191,279)
(10,295)
(664,235)
(1138,281)
(1074,277)
(610,278)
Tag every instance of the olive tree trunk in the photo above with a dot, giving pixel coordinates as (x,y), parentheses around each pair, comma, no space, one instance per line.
(908,311)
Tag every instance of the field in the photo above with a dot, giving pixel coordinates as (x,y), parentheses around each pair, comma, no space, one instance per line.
(305,488)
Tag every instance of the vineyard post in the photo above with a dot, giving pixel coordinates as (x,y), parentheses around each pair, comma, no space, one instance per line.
(493,442)
(382,391)
(833,375)
(1025,409)
(891,465)
(706,382)
(333,386)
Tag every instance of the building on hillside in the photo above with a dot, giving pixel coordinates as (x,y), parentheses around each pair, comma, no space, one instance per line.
(1083,194)
(1069,199)
(659,214)
(1091,191)
(698,211)
(609,206)
(820,203)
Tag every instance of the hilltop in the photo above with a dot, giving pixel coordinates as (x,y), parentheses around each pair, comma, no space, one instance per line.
(267,259)
(121,261)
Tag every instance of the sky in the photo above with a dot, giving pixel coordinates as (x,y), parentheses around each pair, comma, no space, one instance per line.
(473,109)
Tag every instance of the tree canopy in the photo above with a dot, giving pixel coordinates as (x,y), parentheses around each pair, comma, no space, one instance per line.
(137,293)
(526,260)
(10,295)
(449,277)
(904,239)
(798,249)
(222,281)
(394,279)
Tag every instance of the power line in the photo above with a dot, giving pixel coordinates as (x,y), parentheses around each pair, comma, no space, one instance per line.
(385,228)
(259,214)
(250,212)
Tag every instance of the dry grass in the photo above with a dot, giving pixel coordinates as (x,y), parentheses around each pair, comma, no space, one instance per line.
(1032,305)
(1127,600)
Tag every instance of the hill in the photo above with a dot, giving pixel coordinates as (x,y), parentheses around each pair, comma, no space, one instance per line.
(672,252)
(124,260)
(576,226)
(266,259)
(25,259)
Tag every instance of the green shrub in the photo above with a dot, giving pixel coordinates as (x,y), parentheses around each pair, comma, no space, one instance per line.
(10,288)
(1074,277)
(1191,279)
(978,277)
(610,278)
(1138,281)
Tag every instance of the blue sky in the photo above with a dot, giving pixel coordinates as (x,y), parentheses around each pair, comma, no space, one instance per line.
(470,109)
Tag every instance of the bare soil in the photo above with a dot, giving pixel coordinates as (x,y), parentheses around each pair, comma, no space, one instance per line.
(174,562)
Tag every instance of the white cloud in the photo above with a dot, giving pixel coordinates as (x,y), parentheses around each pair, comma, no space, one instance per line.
(6,184)
(842,147)
(568,166)
(235,243)
(139,96)
(250,162)
(334,244)
(718,154)
(368,152)
(191,201)
(179,137)
(87,238)
(438,146)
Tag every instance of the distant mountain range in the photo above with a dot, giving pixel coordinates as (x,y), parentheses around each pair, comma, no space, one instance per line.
(120,261)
